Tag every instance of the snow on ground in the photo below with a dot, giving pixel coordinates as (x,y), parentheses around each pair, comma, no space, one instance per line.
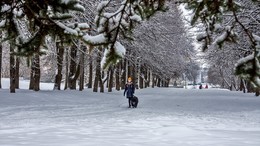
(164,117)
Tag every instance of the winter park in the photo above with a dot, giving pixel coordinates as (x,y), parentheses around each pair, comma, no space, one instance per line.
(129,73)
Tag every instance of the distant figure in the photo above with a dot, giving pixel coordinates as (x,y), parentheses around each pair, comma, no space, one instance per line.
(129,90)
(206,87)
(200,87)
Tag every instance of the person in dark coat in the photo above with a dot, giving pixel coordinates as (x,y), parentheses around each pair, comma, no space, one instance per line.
(129,90)
(200,86)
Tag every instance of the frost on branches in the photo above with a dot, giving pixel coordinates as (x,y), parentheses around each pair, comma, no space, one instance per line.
(249,67)
(115,23)
(39,19)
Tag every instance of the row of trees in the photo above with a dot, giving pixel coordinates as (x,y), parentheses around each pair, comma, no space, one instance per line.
(54,50)
(233,54)
(230,35)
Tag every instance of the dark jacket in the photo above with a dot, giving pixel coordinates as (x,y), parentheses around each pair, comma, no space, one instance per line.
(129,90)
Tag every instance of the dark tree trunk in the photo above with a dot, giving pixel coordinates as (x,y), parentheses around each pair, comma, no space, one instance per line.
(98,80)
(58,77)
(73,81)
(1,49)
(67,69)
(123,75)
(146,80)
(111,79)
(90,73)
(95,88)
(12,69)
(117,75)
(107,77)
(158,82)
(17,67)
(37,74)
(81,65)
(141,79)
(153,81)
(101,83)
(31,85)
(72,69)
(149,78)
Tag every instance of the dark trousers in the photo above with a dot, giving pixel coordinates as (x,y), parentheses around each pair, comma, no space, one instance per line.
(129,101)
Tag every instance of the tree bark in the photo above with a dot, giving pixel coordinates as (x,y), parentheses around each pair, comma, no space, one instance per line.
(153,81)
(12,69)
(98,80)
(158,82)
(123,74)
(17,72)
(81,65)
(111,79)
(141,79)
(67,69)
(37,74)
(72,69)
(90,73)
(58,77)
(101,83)
(146,81)
(148,78)
(117,75)
(31,85)
(1,49)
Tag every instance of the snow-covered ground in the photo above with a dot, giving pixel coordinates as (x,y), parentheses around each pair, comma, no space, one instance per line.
(164,117)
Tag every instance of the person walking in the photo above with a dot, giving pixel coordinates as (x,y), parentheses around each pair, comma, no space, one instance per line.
(129,90)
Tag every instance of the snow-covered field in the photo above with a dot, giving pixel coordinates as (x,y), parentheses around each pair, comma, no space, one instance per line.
(164,117)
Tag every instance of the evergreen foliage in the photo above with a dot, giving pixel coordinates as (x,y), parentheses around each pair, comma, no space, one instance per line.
(27,23)
(212,14)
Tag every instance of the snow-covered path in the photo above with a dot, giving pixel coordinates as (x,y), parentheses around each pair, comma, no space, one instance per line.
(165,117)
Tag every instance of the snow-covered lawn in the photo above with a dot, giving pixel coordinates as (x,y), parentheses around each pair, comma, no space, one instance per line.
(164,117)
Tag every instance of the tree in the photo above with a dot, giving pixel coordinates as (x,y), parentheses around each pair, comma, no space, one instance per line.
(40,20)
(1,50)
(60,54)
(218,31)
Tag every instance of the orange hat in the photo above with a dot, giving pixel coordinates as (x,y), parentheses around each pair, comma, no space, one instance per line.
(130,78)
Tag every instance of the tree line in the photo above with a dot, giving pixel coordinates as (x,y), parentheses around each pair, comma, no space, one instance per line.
(151,58)
(227,29)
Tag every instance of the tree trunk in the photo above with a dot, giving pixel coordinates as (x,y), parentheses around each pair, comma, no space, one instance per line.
(72,69)
(58,77)
(117,75)
(141,79)
(37,74)
(1,63)
(101,83)
(111,79)
(98,80)
(146,80)
(17,73)
(123,74)
(158,82)
(81,65)
(149,77)
(31,85)
(153,81)
(67,69)
(95,88)
(90,73)
(12,69)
